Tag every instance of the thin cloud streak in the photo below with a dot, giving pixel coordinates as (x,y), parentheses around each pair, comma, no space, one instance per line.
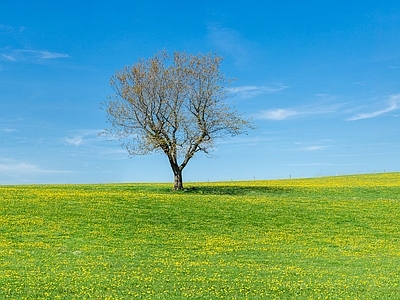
(394,104)
(23,55)
(314,148)
(310,165)
(8,130)
(76,141)
(51,55)
(25,168)
(9,57)
(248,91)
(278,114)
(83,136)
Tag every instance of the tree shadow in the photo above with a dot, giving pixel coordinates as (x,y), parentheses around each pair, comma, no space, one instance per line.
(234,190)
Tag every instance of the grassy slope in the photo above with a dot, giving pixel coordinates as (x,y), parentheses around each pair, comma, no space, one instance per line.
(335,237)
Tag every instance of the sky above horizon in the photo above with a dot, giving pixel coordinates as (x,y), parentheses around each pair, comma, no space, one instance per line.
(319,79)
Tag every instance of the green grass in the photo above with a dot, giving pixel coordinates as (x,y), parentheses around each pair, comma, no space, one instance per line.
(323,238)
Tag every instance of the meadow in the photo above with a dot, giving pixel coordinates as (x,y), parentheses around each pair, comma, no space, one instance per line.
(319,238)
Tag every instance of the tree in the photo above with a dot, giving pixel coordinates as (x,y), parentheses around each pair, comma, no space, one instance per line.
(174,105)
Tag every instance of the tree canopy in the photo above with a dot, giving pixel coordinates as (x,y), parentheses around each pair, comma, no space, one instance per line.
(172,104)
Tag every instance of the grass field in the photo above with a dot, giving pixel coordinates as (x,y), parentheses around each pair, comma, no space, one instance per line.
(322,238)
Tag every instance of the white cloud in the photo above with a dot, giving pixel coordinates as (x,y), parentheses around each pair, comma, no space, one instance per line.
(19,168)
(83,136)
(23,55)
(393,104)
(12,168)
(248,91)
(51,55)
(314,148)
(9,57)
(7,130)
(278,114)
(76,141)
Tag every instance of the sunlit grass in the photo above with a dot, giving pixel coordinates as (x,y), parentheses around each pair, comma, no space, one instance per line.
(322,238)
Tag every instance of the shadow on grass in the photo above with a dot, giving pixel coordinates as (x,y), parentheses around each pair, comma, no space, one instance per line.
(234,190)
(207,189)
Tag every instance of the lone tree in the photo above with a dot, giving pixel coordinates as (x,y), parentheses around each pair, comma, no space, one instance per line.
(174,105)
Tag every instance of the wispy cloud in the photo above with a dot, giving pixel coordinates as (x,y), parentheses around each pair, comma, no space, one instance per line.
(7,130)
(230,42)
(83,137)
(12,168)
(309,165)
(393,103)
(279,114)
(248,91)
(51,55)
(7,29)
(76,140)
(31,56)
(314,148)
(9,57)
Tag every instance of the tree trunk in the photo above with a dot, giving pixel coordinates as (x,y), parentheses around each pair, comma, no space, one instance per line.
(178,184)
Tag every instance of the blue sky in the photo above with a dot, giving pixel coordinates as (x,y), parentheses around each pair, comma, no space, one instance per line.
(320,79)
